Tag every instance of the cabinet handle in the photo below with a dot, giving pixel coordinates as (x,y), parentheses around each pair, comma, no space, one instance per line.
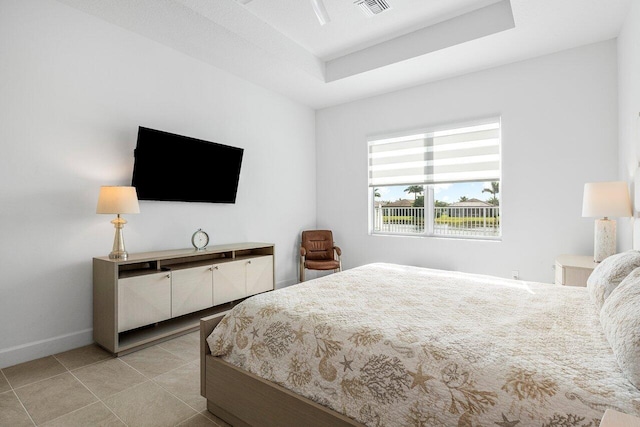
(215,268)
(168,276)
(248,262)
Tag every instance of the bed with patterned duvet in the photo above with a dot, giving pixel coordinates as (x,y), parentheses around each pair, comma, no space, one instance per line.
(392,345)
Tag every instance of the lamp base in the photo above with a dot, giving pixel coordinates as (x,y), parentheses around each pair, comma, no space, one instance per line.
(119,255)
(118,251)
(604,244)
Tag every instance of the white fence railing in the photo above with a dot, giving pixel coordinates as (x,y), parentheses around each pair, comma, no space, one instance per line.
(388,219)
(447,221)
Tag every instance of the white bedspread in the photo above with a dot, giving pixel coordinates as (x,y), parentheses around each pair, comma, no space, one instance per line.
(393,345)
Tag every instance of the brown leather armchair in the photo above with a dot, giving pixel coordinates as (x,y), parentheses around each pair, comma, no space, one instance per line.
(318,252)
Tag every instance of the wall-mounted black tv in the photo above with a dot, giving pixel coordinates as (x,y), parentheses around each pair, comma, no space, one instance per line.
(171,167)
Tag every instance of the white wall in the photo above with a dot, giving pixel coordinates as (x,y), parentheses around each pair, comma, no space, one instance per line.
(73,91)
(629,112)
(559,128)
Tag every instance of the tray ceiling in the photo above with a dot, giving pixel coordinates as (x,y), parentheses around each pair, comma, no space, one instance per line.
(279,44)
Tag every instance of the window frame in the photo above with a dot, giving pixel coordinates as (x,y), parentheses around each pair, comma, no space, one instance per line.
(429,199)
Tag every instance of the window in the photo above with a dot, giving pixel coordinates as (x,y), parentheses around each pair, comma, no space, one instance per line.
(442,182)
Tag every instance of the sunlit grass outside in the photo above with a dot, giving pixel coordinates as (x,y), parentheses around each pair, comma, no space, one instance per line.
(468,221)
(444,219)
(396,219)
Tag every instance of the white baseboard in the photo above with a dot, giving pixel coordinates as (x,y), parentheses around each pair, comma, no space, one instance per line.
(309,275)
(284,283)
(35,350)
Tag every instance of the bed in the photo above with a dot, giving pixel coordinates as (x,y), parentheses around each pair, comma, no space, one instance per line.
(386,345)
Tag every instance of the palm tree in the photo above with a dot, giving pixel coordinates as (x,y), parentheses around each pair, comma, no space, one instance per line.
(494,190)
(415,189)
(376,193)
(463,199)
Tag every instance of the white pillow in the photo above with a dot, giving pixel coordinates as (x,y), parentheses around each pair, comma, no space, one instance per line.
(609,273)
(620,318)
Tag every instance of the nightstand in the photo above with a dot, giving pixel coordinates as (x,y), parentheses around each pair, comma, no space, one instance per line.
(618,419)
(574,270)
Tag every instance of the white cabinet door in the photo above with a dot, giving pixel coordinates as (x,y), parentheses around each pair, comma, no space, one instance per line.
(259,275)
(229,281)
(143,300)
(191,290)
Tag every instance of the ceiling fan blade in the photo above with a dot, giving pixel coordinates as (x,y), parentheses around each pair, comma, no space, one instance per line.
(321,11)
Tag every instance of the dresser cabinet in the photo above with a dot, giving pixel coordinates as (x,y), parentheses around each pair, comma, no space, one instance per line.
(258,275)
(229,282)
(143,300)
(191,290)
(239,279)
(155,296)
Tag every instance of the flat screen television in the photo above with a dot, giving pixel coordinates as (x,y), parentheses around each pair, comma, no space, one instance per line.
(172,167)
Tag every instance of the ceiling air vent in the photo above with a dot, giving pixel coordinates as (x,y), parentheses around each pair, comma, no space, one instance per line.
(372,7)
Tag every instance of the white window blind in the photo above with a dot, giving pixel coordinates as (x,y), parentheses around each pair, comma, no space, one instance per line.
(470,153)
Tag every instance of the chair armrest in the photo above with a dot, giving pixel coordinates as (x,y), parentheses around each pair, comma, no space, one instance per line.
(338,250)
(303,251)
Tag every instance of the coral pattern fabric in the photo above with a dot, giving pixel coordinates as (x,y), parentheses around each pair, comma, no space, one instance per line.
(609,273)
(391,345)
(620,318)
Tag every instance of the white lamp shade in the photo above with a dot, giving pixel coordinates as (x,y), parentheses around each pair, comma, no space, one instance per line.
(606,199)
(118,200)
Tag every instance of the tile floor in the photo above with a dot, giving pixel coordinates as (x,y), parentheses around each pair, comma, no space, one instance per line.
(157,386)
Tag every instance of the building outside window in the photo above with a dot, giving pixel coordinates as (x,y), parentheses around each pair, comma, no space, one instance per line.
(441,182)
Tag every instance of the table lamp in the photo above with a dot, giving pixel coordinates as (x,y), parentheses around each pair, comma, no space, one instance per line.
(118,200)
(605,199)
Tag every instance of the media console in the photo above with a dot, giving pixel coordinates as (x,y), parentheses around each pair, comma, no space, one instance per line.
(155,296)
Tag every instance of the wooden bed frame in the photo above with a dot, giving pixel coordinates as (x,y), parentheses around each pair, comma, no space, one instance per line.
(243,399)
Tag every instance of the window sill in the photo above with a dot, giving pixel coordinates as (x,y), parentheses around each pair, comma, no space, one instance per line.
(439,236)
